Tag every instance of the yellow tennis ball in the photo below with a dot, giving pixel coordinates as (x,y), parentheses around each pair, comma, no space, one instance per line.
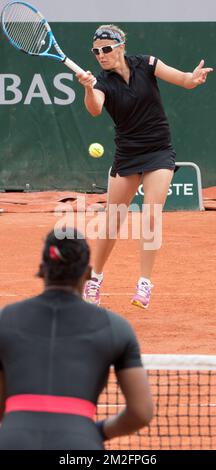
(96,150)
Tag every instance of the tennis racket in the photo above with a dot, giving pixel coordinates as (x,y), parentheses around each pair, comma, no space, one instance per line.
(27,30)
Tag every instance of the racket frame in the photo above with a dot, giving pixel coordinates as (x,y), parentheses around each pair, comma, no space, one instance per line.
(51,38)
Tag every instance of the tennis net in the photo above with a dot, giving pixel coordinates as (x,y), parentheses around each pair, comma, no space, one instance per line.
(184,394)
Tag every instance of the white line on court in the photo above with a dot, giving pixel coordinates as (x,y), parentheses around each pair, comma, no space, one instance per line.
(116,293)
(112,294)
(16,281)
(9,295)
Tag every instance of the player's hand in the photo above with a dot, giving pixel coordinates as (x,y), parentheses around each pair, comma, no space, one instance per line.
(88,80)
(200,73)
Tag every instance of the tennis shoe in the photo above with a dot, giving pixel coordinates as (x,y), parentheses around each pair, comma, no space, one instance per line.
(143,292)
(92,291)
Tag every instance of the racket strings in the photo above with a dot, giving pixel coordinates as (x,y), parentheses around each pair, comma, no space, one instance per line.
(28,33)
(26,28)
(20,29)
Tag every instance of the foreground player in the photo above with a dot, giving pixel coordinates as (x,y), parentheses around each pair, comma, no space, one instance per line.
(55,355)
(127,88)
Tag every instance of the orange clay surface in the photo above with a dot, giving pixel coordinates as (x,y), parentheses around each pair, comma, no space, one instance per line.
(181,316)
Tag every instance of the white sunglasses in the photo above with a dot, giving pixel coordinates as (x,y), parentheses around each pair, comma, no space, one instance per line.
(105,49)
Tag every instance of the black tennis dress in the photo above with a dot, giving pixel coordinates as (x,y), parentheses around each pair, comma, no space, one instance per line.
(56,351)
(142,134)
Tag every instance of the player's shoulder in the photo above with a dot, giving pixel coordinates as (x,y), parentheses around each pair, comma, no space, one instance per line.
(7,312)
(134,59)
(139,59)
(21,303)
(102,312)
(117,322)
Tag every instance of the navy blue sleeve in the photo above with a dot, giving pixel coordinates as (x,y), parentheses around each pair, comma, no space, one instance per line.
(102,84)
(1,365)
(125,344)
(150,63)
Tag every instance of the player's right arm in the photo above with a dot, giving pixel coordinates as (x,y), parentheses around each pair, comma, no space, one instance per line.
(2,393)
(139,406)
(2,385)
(94,99)
(133,382)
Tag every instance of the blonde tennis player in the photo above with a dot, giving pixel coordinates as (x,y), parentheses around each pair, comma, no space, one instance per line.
(127,88)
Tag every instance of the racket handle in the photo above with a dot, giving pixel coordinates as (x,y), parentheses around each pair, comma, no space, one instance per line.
(76,68)
(71,65)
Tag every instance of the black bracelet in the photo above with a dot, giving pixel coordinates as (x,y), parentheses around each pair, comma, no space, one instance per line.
(100,428)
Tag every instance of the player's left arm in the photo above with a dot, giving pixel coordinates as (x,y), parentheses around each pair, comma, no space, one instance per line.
(2,393)
(184,79)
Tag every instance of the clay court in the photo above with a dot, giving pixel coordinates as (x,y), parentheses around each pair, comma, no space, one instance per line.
(181,316)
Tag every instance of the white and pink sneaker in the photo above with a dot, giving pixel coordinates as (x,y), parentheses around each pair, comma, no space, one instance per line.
(143,293)
(92,291)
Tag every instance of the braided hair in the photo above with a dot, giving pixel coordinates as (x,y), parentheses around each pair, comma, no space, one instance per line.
(64,261)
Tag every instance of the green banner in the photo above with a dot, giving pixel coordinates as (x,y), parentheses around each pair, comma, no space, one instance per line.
(185,191)
(46,131)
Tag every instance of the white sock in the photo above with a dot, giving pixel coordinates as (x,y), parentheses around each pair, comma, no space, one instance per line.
(143,280)
(99,277)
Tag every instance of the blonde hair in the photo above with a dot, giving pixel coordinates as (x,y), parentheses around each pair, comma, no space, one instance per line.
(115,29)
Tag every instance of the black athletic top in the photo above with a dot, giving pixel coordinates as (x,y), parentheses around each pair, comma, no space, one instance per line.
(141,126)
(57,344)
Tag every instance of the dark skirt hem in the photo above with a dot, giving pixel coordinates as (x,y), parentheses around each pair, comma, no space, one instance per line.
(164,159)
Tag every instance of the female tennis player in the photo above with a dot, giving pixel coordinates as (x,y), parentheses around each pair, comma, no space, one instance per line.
(127,88)
(55,354)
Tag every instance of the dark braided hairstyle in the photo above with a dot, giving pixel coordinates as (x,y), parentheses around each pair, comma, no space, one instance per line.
(64,261)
